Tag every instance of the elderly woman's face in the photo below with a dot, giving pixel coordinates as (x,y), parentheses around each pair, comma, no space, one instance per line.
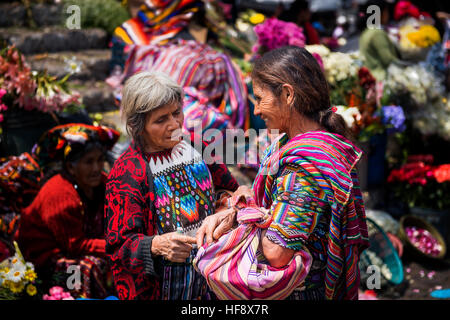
(163,127)
(269,108)
(87,171)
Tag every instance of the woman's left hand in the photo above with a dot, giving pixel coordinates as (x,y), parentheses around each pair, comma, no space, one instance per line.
(214,226)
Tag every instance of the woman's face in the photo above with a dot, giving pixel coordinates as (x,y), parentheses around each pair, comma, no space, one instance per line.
(163,127)
(270,108)
(88,170)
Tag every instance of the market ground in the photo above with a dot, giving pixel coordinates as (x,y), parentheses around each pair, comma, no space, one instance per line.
(420,279)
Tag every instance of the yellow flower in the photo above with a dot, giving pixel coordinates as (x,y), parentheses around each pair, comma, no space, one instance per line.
(31,290)
(6,284)
(16,287)
(257,18)
(30,275)
(426,36)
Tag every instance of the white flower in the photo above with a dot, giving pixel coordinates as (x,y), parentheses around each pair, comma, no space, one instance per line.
(14,275)
(17,264)
(319,49)
(72,65)
(349,114)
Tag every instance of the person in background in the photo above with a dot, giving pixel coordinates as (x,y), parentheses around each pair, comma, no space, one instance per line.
(375,46)
(300,14)
(63,226)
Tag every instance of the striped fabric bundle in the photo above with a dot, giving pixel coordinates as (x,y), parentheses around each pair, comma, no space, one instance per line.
(215,88)
(235,269)
(330,159)
(157,22)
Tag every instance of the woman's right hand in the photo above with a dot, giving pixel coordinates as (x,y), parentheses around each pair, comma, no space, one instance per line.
(242,191)
(173,246)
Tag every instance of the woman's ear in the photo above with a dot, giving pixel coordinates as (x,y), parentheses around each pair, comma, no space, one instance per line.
(287,94)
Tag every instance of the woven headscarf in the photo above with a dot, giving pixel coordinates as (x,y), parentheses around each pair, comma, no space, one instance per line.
(158,21)
(62,142)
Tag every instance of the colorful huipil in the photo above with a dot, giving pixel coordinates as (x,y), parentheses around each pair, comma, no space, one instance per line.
(183,195)
(310,185)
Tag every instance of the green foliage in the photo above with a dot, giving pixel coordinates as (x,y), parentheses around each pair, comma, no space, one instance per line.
(104,14)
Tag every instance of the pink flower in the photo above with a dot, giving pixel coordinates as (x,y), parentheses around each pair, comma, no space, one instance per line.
(55,290)
(1,118)
(2,93)
(319,59)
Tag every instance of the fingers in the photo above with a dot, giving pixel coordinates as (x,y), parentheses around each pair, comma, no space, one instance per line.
(210,230)
(190,240)
(225,225)
(200,236)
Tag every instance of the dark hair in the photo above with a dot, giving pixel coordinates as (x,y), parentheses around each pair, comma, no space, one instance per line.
(78,151)
(297,67)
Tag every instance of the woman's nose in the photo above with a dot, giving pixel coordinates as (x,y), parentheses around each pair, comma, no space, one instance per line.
(256,110)
(174,123)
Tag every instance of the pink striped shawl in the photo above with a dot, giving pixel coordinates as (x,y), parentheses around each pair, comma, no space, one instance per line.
(234,267)
(330,159)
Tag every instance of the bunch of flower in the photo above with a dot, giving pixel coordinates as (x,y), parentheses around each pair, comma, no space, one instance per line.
(426,36)
(252,17)
(57,293)
(339,67)
(394,118)
(274,33)
(433,118)
(17,277)
(415,82)
(419,182)
(351,115)
(21,87)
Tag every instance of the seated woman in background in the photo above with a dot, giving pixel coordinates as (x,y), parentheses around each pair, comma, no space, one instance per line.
(63,226)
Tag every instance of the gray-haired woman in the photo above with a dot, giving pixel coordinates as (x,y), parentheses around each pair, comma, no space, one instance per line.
(158,193)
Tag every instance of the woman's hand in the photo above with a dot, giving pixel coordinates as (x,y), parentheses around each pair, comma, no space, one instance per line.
(214,226)
(242,191)
(173,246)
(276,255)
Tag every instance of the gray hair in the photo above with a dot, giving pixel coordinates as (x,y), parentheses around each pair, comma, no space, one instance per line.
(143,92)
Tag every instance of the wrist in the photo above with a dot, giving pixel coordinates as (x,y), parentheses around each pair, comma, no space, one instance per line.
(155,248)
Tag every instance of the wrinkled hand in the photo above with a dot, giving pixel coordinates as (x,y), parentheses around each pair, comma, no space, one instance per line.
(242,191)
(173,246)
(214,226)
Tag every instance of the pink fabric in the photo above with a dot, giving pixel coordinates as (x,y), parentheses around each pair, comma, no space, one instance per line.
(235,268)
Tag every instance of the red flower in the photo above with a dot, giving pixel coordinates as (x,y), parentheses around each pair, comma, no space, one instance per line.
(442,173)
(405,8)
(366,80)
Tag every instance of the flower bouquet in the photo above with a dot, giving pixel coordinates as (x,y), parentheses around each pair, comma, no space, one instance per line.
(419,183)
(415,38)
(20,87)
(274,33)
(17,277)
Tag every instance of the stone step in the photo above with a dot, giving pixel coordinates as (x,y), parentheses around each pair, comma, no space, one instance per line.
(13,14)
(97,96)
(94,64)
(54,39)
